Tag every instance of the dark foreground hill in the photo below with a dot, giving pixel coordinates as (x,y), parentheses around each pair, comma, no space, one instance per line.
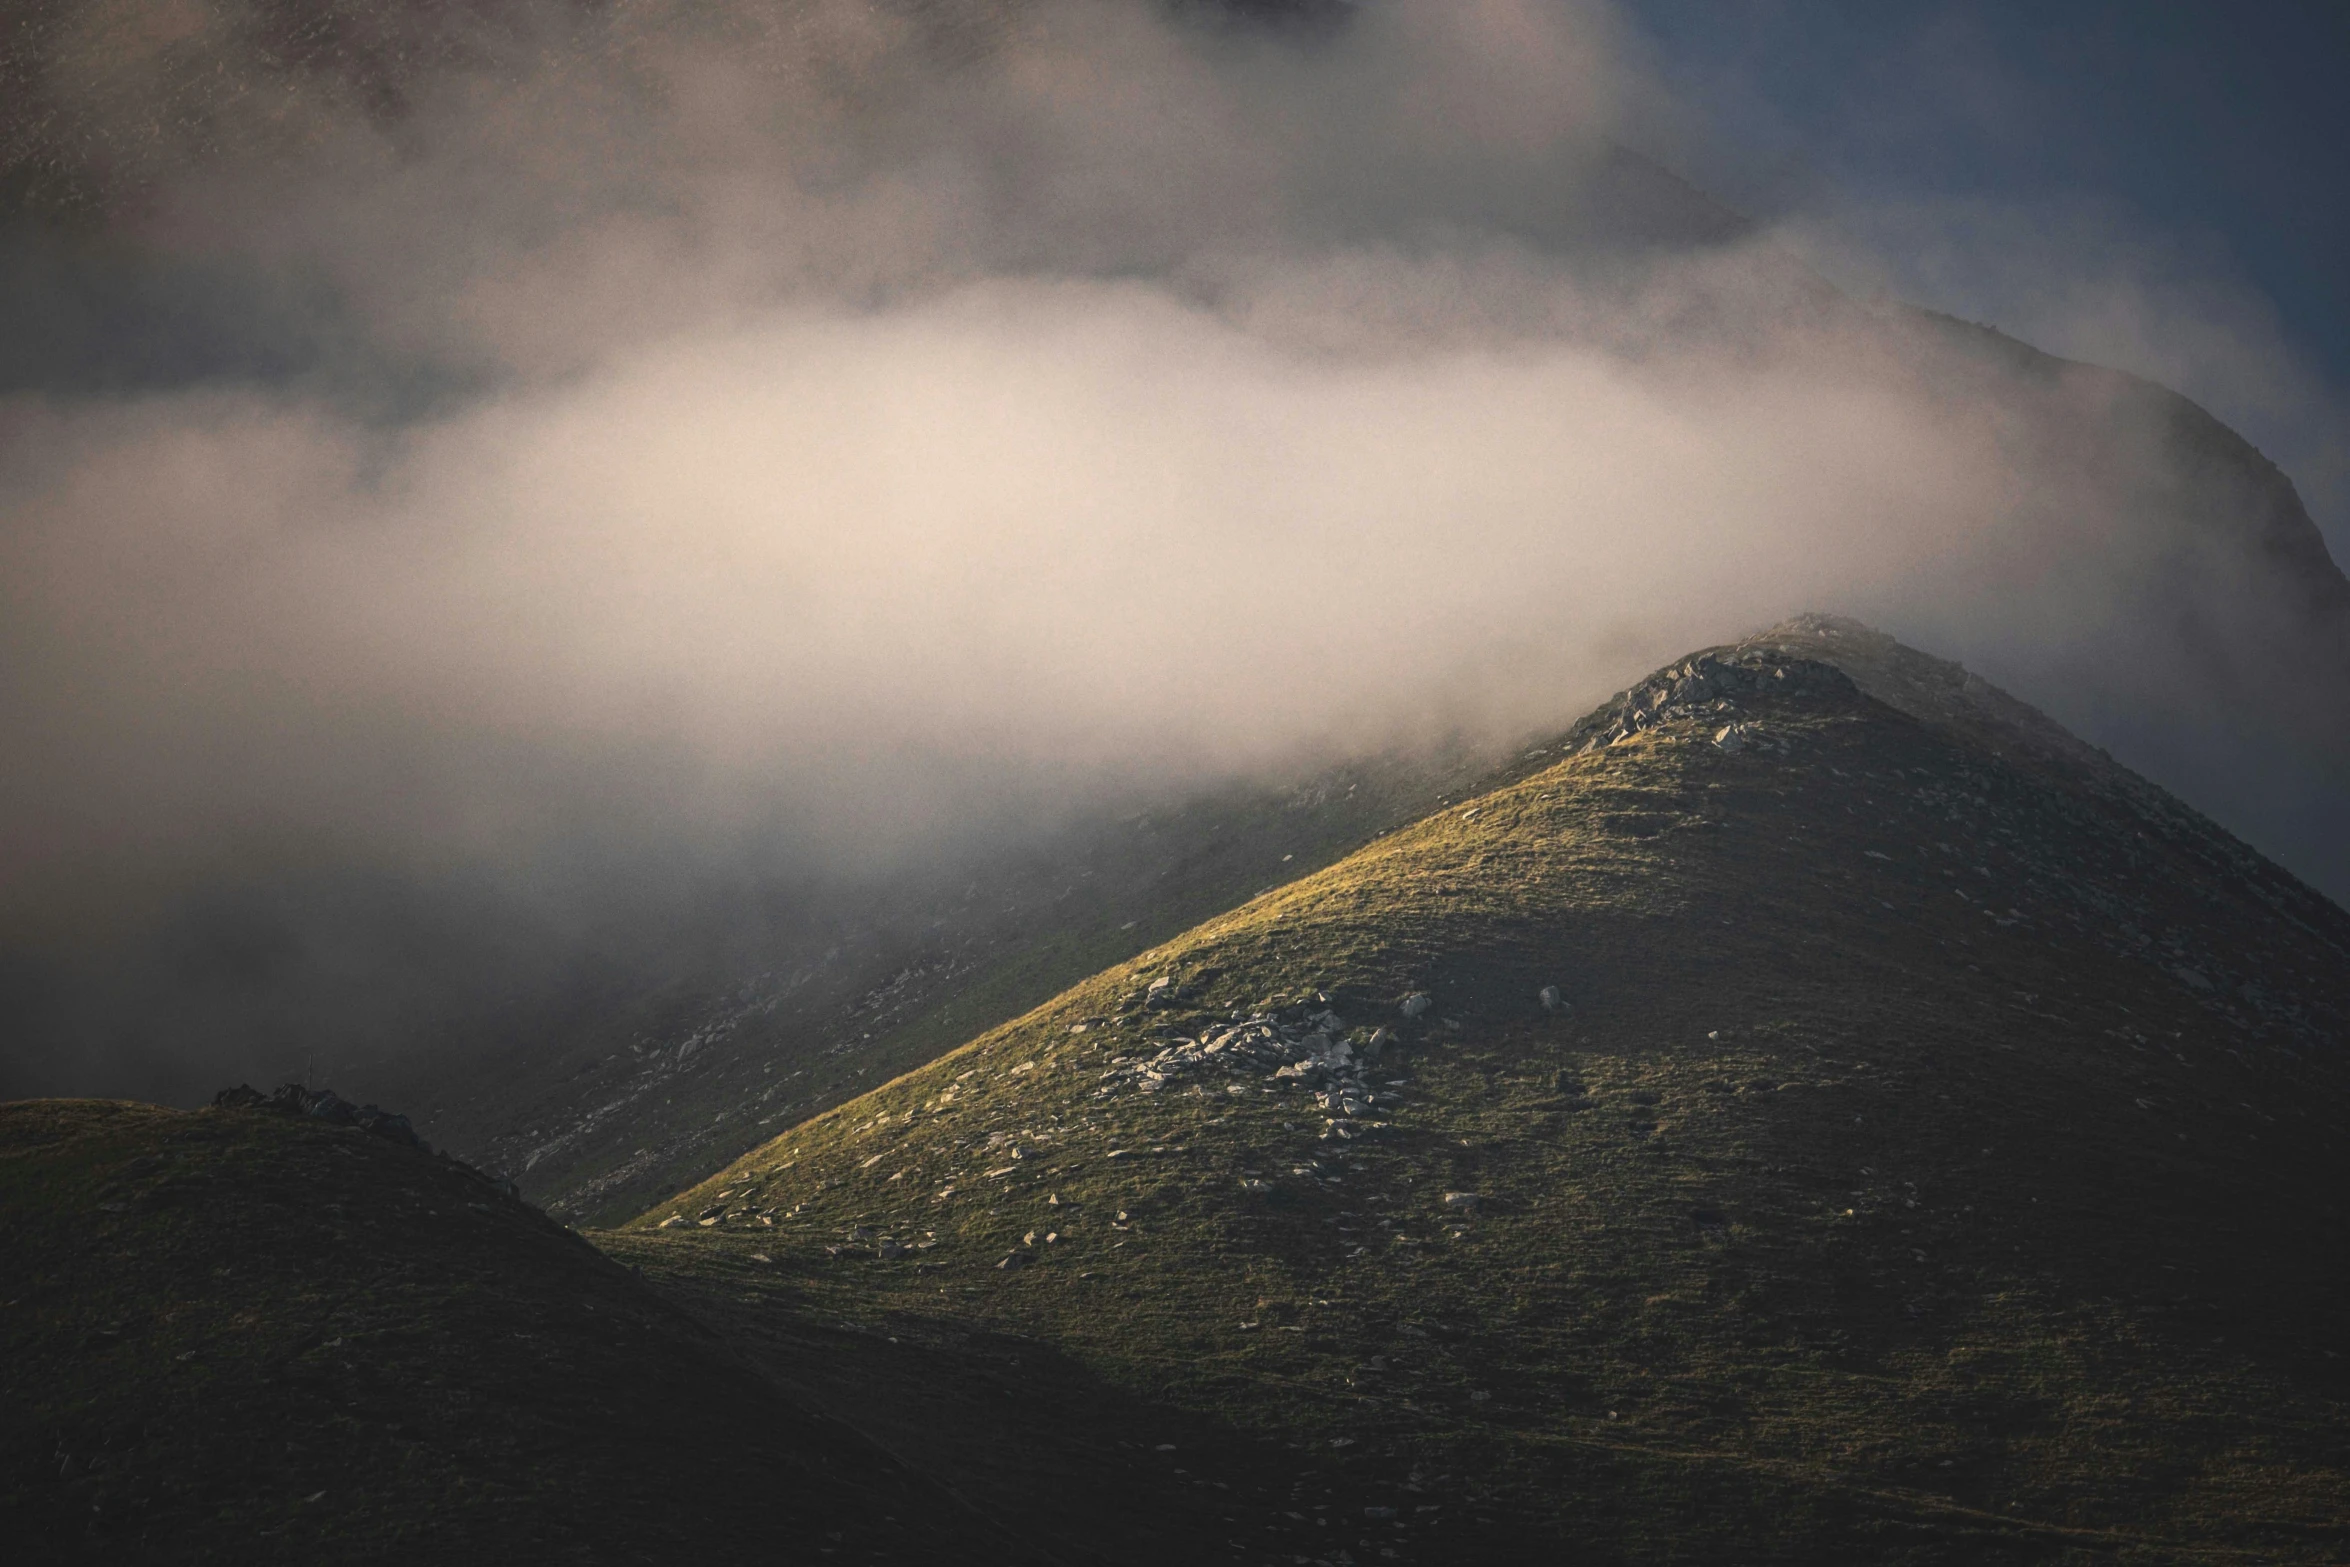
(239,1335)
(1817,1111)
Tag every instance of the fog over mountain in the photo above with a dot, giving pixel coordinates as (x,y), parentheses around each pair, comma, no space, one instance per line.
(477,489)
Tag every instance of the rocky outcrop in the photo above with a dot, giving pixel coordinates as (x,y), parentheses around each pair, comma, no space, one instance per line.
(1721,688)
(324,1103)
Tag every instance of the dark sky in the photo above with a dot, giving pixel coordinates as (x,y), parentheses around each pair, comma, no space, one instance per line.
(2217,133)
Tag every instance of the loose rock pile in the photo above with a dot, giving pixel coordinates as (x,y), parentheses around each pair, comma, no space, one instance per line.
(1310,1051)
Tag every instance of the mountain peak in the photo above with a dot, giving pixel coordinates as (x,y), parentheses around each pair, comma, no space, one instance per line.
(1809,1037)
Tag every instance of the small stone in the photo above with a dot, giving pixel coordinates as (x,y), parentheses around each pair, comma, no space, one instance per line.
(1550,998)
(1416,1003)
(1461,1202)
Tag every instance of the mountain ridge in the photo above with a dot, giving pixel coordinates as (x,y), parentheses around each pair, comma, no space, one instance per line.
(1758,1124)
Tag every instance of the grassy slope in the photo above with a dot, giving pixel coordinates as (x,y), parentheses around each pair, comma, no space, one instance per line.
(601,1117)
(1940,1162)
(247,1336)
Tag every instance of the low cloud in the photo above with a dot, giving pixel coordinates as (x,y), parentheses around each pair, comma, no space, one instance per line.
(2080,279)
(820,437)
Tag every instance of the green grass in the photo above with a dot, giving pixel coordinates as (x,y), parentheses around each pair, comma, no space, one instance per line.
(595,1128)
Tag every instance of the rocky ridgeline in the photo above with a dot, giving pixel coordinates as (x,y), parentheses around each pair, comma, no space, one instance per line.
(1709,688)
(326,1105)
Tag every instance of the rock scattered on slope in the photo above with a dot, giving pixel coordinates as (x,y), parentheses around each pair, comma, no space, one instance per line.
(1312,1051)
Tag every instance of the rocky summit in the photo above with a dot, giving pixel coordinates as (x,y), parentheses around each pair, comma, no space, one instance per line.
(1813,1109)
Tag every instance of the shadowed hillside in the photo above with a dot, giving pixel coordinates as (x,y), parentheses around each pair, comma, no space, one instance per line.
(242,1335)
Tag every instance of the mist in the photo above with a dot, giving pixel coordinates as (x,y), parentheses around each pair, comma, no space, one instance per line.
(808,442)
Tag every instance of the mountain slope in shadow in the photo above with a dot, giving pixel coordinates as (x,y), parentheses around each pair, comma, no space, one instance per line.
(240,1335)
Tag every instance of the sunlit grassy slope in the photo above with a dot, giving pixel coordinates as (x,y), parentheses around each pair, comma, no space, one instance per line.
(642,1091)
(1937,1156)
